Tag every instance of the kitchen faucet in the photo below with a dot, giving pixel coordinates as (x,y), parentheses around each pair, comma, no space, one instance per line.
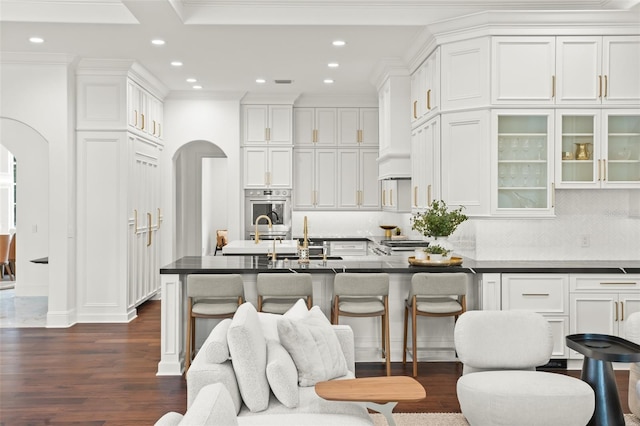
(258,220)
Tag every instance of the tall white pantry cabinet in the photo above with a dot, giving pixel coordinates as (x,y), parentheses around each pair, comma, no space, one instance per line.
(119,139)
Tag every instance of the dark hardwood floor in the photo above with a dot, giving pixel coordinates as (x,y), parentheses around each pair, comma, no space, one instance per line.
(104,374)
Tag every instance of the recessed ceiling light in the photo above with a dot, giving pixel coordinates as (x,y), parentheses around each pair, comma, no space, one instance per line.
(36,40)
(157,42)
(260,80)
(176,63)
(339,42)
(333,65)
(328,81)
(191,80)
(197,86)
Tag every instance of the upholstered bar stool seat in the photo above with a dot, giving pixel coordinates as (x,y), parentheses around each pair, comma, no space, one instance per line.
(363,295)
(277,292)
(215,296)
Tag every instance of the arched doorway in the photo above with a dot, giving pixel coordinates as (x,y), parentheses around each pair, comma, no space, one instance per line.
(201,197)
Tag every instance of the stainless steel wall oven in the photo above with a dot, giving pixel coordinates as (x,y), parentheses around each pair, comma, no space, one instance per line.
(273,203)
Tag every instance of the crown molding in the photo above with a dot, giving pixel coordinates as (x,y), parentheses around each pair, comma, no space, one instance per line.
(388,67)
(346,100)
(205,95)
(269,98)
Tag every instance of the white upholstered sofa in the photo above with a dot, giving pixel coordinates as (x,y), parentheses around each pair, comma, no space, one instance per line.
(267,365)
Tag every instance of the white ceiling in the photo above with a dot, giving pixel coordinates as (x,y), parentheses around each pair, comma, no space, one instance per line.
(227,44)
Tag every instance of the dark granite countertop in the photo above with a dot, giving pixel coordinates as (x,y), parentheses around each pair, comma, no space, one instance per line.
(391,264)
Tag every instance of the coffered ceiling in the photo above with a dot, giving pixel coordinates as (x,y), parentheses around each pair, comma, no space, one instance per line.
(227,44)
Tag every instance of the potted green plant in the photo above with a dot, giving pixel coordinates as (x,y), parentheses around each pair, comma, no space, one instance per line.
(437,252)
(438,221)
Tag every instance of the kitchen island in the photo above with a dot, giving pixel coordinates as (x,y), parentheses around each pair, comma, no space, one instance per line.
(487,289)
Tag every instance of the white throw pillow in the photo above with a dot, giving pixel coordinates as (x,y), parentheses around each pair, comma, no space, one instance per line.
(313,346)
(248,350)
(216,348)
(269,322)
(282,374)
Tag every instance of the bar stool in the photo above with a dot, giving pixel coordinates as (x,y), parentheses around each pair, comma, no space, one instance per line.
(277,292)
(363,295)
(430,296)
(214,296)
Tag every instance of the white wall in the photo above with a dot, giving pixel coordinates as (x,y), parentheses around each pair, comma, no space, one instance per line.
(215,193)
(37,101)
(213,119)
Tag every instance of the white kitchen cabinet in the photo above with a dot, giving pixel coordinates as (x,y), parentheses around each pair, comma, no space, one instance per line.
(546,294)
(358,127)
(601,304)
(358,177)
(315,126)
(523,70)
(145,221)
(464,161)
(268,167)
(315,178)
(522,173)
(348,248)
(465,74)
(598,148)
(267,124)
(425,164)
(598,70)
(425,88)
(144,111)
(395,195)
(395,132)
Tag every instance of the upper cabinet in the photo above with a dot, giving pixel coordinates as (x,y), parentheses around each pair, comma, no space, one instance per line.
(358,187)
(144,111)
(598,148)
(358,127)
(425,164)
(315,126)
(267,124)
(598,70)
(523,70)
(268,167)
(425,87)
(522,174)
(465,82)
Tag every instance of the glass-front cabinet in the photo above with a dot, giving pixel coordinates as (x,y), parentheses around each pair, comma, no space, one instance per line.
(598,149)
(523,178)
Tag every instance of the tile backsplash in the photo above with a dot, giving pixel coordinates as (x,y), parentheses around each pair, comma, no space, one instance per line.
(590,224)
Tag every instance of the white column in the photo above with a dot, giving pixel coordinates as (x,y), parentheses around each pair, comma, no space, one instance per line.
(172,326)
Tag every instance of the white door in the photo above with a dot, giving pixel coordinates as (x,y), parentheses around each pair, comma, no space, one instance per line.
(369,129)
(255,167)
(348,191)
(279,169)
(348,126)
(369,183)
(280,126)
(255,124)
(303,178)
(417,168)
(593,313)
(326,126)
(303,126)
(621,67)
(326,166)
(431,187)
(579,70)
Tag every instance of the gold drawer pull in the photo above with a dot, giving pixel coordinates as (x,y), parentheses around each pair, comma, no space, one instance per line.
(615,283)
(536,294)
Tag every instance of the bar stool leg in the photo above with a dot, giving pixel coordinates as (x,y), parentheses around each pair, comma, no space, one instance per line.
(404,340)
(386,337)
(414,338)
(187,360)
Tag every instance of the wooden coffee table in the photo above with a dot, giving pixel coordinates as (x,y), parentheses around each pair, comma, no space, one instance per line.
(380,394)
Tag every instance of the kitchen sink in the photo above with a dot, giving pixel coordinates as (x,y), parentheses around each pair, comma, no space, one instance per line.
(293,257)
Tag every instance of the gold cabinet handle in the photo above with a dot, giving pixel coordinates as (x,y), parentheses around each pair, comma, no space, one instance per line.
(535,294)
(599,86)
(553,86)
(606,86)
(415,196)
(149,229)
(314,136)
(142,118)
(429,195)
(553,194)
(384,197)
(622,311)
(415,109)
(154,127)
(159,130)
(429,99)
(359,136)
(604,168)
(599,169)
(391,197)
(616,311)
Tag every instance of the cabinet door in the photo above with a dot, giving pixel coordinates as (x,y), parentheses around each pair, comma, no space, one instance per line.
(432,82)
(524,173)
(523,70)
(579,70)
(255,167)
(280,126)
(326,126)
(348,126)
(326,182)
(576,128)
(419,193)
(279,168)
(621,68)
(593,313)
(620,166)
(368,177)
(348,190)
(467,64)
(418,93)
(541,293)
(303,126)
(134,104)
(465,159)
(303,178)
(368,126)
(255,124)
(629,304)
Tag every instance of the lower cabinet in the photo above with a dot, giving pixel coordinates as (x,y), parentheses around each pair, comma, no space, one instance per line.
(546,294)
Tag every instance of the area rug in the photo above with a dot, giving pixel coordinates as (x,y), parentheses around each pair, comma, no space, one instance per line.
(449,419)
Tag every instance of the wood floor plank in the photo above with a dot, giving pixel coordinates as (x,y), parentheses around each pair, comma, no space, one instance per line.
(105,374)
